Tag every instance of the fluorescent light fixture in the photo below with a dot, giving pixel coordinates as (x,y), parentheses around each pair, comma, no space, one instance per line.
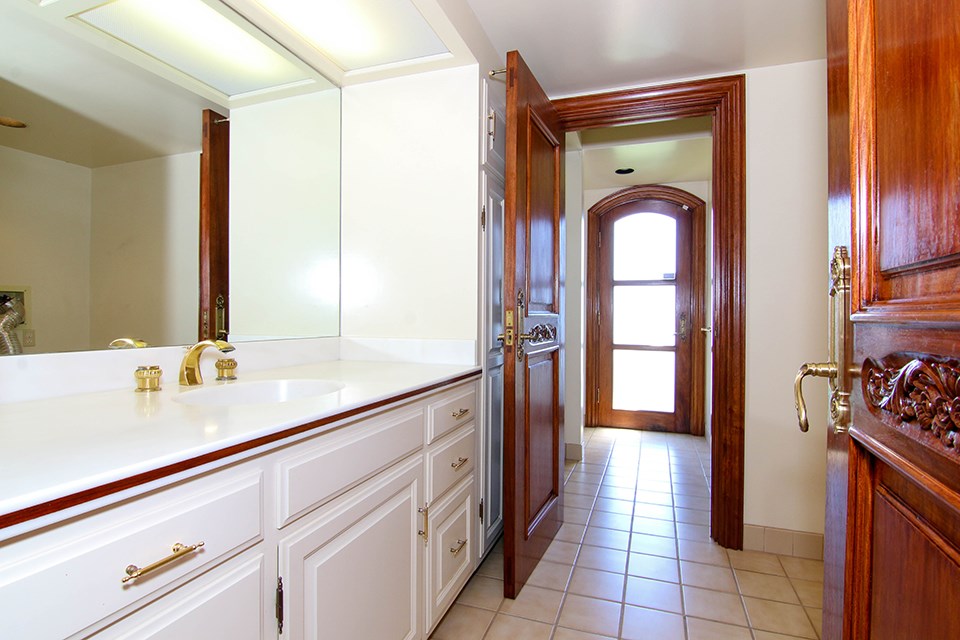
(197,40)
(356,34)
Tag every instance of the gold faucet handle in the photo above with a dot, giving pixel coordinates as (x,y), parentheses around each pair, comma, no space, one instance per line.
(148,378)
(226,369)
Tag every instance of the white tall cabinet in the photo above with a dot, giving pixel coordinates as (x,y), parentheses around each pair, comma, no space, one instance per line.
(492,171)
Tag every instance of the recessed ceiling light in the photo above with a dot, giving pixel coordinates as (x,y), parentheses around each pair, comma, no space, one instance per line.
(624,171)
(12,122)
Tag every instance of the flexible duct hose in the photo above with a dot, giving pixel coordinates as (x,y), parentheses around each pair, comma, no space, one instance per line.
(11,315)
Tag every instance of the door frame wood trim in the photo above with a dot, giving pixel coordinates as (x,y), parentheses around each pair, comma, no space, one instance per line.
(214,224)
(697,213)
(724,100)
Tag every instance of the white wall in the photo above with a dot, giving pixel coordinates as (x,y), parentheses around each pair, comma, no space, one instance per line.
(786,293)
(45,245)
(285,217)
(410,229)
(575,226)
(143,260)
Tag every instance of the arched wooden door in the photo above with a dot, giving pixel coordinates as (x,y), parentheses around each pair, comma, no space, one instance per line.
(645,278)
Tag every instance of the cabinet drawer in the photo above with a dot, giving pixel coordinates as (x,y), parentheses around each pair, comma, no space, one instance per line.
(341,460)
(452,410)
(450,550)
(224,603)
(449,461)
(77,576)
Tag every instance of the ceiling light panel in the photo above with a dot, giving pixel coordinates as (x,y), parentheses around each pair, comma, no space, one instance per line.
(357,34)
(192,37)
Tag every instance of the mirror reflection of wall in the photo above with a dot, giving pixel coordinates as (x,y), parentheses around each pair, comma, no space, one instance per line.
(284,244)
(100,193)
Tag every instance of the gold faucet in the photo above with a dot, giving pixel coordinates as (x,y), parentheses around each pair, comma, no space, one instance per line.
(190,367)
(127,343)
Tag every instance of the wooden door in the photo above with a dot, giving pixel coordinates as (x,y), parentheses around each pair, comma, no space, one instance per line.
(645,272)
(533,315)
(902,513)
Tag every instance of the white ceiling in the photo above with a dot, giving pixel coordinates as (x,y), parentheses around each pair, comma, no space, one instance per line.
(585,46)
(659,152)
(581,46)
(573,46)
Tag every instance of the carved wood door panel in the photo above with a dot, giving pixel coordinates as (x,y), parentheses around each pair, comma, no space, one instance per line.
(902,571)
(533,450)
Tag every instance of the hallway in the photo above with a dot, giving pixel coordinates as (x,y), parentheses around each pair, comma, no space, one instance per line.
(634,560)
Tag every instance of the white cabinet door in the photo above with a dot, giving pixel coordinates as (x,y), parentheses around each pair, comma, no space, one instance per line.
(450,549)
(351,571)
(491,440)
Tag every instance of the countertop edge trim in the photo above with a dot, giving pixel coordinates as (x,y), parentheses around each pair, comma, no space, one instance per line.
(93,493)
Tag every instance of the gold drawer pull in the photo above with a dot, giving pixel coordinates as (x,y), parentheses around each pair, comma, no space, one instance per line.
(460,544)
(459,463)
(460,414)
(179,550)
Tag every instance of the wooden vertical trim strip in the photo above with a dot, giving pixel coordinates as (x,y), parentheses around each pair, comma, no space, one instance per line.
(214,223)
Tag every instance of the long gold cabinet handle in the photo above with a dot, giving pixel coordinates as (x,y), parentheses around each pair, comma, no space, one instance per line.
(459,414)
(178,551)
(459,463)
(457,549)
(817,369)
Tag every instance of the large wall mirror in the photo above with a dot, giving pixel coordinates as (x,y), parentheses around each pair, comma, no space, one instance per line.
(99,199)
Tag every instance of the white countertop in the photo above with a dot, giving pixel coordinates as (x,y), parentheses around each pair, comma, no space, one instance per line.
(58,447)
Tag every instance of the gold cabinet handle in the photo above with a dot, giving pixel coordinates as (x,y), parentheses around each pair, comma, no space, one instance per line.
(425,532)
(179,550)
(460,545)
(459,414)
(818,369)
(459,463)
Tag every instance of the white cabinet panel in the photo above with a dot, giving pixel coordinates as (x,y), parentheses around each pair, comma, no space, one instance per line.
(451,460)
(224,604)
(312,474)
(352,570)
(451,549)
(83,565)
(451,411)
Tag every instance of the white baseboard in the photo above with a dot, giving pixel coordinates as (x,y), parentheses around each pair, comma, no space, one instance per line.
(785,542)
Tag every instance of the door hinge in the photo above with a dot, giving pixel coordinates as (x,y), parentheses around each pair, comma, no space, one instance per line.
(597,396)
(481,511)
(280,605)
(483,218)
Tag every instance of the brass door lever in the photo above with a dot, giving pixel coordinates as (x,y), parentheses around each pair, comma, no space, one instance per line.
(817,369)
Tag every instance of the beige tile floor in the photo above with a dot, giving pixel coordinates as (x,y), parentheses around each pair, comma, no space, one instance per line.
(634,560)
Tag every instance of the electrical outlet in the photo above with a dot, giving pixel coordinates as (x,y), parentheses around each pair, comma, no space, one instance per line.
(29,338)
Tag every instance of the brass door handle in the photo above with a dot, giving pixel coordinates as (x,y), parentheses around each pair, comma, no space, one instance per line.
(457,549)
(459,463)
(179,550)
(818,369)
(459,414)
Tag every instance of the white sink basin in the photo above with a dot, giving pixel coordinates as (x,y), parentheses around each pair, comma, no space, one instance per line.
(257,392)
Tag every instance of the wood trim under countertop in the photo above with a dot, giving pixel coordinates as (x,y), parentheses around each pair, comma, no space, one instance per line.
(93,493)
